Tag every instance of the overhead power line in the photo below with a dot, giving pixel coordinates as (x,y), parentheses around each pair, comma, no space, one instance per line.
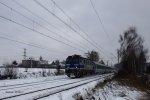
(17,40)
(44,21)
(8,19)
(32,29)
(34,14)
(26,43)
(8,37)
(38,24)
(100,20)
(101,49)
(65,23)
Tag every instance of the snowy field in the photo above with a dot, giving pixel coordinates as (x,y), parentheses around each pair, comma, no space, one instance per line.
(32,72)
(5,83)
(64,88)
(44,87)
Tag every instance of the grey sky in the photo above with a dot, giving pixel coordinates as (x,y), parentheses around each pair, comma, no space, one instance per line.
(117,16)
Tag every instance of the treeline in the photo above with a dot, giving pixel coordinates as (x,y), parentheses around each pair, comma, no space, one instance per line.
(132,53)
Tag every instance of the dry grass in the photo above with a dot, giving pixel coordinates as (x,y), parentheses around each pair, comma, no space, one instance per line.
(134,82)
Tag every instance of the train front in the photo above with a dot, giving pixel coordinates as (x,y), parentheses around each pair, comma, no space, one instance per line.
(72,66)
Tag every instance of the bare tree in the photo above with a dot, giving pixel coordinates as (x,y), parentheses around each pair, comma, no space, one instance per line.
(10,71)
(92,55)
(102,62)
(14,63)
(57,66)
(132,52)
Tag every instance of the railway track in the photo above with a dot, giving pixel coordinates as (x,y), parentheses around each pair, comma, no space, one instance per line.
(38,98)
(30,84)
(50,90)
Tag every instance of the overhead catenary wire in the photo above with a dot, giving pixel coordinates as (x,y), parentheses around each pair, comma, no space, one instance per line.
(72,20)
(65,23)
(26,43)
(38,24)
(33,45)
(78,26)
(8,19)
(34,14)
(46,22)
(101,49)
(101,22)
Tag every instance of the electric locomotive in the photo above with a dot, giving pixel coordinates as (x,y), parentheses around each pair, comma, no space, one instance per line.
(78,66)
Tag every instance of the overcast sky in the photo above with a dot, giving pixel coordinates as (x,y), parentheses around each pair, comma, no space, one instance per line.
(116,15)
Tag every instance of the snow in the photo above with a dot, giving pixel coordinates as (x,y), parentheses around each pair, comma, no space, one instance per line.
(4,83)
(73,93)
(116,91)
(45,86)
(32,72)
(111,91)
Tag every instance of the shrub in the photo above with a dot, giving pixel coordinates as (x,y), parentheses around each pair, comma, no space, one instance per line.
(10,72)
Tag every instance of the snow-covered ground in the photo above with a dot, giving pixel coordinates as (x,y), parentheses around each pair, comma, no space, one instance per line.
(54,88)
(32,72)
(115,91)
(5,83)
(40,87)
(110,91)
(74,93)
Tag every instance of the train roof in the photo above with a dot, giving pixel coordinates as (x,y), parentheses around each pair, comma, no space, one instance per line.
(97,63)
(79,56)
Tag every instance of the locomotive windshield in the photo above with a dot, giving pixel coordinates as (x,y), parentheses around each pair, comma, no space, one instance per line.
(69,59)
(76,59)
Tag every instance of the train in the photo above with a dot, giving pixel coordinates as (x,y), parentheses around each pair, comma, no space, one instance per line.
(79,66)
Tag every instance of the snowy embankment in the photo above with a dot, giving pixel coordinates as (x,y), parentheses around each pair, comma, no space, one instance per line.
(98,90)
(115,91)
(32,72)
(110,91)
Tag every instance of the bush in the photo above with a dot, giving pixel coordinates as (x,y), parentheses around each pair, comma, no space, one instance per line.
(10,72)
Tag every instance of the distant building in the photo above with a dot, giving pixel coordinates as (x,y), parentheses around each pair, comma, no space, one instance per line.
(30,63)
(43,62)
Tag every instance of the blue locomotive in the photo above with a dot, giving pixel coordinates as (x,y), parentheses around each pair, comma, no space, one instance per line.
(79,66)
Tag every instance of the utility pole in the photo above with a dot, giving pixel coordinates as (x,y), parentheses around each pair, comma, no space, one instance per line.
(24,54)
(107,62)
(31,63)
